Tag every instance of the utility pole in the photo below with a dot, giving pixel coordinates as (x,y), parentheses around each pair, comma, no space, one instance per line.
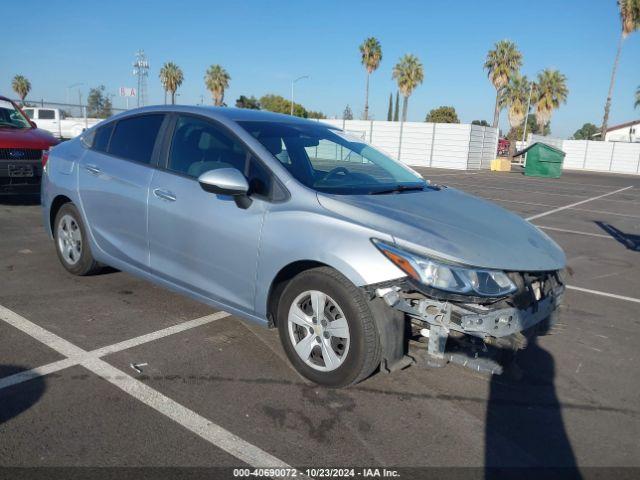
(292,82)
(70,87)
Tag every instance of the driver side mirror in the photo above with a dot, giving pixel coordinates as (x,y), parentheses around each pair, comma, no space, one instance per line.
(224,181)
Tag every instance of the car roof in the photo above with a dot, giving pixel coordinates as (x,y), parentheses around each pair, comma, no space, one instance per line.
(226,113)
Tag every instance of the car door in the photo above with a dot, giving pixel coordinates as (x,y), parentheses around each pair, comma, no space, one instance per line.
(114,177)
(198,240)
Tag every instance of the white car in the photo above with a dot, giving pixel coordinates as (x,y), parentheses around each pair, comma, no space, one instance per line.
(56,122)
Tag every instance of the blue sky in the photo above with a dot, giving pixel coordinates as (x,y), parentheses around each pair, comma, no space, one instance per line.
(263,44)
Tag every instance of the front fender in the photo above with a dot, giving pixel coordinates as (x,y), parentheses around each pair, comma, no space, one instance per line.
(296,236)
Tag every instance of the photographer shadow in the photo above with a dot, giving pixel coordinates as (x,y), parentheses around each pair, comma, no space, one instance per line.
(15,399)
(524,424)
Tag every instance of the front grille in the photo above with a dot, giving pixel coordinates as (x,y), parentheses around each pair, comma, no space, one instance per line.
(18,154)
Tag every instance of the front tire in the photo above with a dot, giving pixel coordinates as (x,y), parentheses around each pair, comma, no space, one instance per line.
(71,241)
(327,329)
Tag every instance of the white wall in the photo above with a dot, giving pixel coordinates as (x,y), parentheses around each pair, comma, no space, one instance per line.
(443,145)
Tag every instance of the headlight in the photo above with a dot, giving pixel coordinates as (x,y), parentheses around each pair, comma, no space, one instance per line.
(447,277)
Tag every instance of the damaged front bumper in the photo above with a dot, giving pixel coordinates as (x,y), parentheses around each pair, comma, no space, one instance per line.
(476,328)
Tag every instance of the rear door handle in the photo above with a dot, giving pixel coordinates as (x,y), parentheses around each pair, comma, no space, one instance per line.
(164,195)
(92,169)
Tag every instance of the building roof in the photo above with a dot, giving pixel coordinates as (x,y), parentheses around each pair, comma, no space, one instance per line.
(623,125)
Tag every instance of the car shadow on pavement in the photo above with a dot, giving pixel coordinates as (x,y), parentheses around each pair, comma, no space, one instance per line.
(16,399)
(20,199)
(632,242)
(524,426)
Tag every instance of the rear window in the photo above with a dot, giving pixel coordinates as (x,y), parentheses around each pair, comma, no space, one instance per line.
(46,114)
(134,138)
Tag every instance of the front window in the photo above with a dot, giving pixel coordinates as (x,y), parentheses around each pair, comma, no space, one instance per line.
(199,146)
(11,117)
(330,161)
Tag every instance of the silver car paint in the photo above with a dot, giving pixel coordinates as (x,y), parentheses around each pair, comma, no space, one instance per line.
(231,262)
(229,179)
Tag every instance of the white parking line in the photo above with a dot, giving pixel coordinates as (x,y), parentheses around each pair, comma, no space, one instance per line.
(27,375)
(604,294)
(559,209)
(519,190)
(165,332)
(204,428)
(77,355)
(450,174)
(516,201)
(605,212)
(576,232)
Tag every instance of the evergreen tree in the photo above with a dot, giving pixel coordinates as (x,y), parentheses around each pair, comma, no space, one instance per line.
(396,113)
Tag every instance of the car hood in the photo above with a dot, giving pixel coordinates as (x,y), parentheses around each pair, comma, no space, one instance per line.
(26,138)
(451,225)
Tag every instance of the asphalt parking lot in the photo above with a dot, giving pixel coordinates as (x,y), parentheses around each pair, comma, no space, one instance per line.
(212,390)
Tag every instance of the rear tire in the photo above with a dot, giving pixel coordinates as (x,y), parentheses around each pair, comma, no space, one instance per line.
(71,241)
(327,329)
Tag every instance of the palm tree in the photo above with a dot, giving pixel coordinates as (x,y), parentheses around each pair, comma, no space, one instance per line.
(409,73)
(502,63)
(22,86)
(171,78)
(637,104)
(217,80)
(515,95)
(549,92)
(630,20)
(371,57)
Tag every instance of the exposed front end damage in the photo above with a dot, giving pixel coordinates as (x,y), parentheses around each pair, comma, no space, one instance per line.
(477,333)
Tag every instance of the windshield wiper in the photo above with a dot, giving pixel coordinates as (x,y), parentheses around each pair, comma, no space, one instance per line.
(398,189)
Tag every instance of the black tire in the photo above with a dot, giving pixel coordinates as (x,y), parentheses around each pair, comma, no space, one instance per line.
(85,264)
(364,352)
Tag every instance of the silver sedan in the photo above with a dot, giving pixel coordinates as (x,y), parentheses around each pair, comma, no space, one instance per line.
(358,261)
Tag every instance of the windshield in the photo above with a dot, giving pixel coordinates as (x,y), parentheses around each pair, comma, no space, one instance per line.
(331,161)
(11,117)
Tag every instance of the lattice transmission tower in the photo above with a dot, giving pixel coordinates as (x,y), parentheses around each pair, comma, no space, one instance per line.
(141,72)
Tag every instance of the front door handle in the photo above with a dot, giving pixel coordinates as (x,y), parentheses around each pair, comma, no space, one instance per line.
(164,195)
(92,169)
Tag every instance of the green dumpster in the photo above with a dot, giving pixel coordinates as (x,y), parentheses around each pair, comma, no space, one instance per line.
(543,160)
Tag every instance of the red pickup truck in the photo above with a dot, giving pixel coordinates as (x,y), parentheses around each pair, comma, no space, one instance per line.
(22,146)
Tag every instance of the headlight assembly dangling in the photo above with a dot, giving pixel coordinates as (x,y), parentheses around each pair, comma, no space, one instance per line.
(448,277)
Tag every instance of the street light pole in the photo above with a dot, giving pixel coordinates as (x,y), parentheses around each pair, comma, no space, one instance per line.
(72,86)
(292,82)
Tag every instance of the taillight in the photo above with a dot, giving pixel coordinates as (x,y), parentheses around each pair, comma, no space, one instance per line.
(45,157)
